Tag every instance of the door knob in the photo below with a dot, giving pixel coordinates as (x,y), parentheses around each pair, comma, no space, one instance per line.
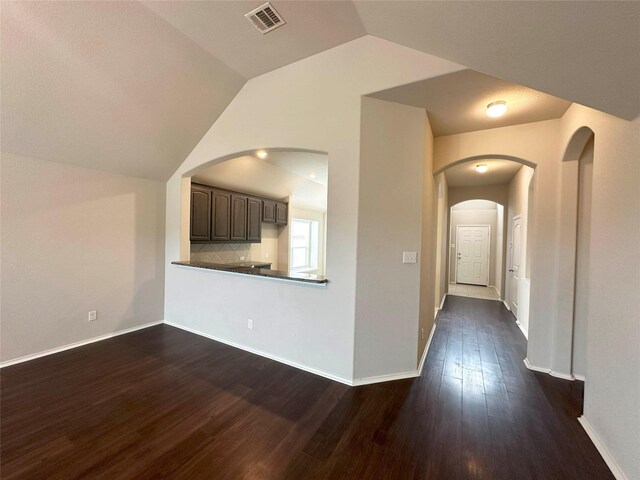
(512,270)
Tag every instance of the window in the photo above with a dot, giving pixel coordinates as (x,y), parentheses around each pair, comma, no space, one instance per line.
(304,244)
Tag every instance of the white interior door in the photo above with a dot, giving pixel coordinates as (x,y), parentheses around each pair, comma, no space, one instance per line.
(516,258)
(472,249)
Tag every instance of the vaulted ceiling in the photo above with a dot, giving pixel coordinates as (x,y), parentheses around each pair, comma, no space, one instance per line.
(131,87)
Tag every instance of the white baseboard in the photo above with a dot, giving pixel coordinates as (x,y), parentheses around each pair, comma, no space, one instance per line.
(444,297)
(263,354)
(399,376)
(506,305)
(384,378)
(548,371)
(524,332)
(609,460)
(499,296)
(44,353)
(582,378)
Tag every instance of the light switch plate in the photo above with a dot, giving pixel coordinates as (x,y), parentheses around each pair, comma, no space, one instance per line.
(409,257)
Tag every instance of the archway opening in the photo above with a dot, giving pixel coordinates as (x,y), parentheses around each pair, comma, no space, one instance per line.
(265,208)
(506,186)
(573,281)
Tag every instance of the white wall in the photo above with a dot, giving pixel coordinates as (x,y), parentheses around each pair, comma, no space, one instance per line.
(75,240)
(313,104)
(389,222)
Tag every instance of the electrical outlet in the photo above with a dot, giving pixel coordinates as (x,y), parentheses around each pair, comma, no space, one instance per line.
(266,255)
(93,315)
(250,324)
(409,257)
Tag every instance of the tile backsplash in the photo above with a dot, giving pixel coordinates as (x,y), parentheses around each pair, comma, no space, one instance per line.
(266,251)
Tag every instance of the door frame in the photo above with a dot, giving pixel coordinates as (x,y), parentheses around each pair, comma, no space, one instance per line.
(510,264)
(488,250)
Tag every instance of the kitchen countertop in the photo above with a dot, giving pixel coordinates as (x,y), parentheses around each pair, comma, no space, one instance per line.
(256,268)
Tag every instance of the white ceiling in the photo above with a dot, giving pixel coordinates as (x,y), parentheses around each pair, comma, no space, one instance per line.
(280,175)
(457,102)
(131,87)
(465,174)
(222,30)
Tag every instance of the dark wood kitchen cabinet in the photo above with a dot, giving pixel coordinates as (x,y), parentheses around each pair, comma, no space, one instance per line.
(254,220)
(281,213)
(269,211)
(238,217)
(221,215)
(200,213)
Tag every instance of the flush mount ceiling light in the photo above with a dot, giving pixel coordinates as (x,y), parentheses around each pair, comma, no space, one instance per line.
(262,154)
(496,109)
(481,167)
(312,175)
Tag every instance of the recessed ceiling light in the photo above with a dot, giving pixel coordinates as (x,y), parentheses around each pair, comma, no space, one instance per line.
(496,109)
(262,154)
(481,167)
(312,175)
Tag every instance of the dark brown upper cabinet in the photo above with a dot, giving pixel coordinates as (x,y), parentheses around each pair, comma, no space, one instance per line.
(268,211)
(200,213)
(281,213)
(238,217)
(254,220)
(221,215)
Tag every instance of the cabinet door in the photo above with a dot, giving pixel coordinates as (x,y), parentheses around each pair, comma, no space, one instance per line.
(268,211)
(254,220)
(281,213)
(221,215)
(238,217)
(200,213)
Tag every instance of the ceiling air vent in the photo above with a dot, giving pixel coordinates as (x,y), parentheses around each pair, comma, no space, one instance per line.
(265,18)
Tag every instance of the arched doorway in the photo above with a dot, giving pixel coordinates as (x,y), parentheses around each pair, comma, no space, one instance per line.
(513,188)
(573,277)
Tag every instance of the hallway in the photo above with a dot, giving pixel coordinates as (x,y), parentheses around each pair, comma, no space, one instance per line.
(164,403)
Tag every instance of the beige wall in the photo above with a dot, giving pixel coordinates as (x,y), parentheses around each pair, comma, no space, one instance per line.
(318,105)
(390,216)
(75,240)
(581,302)
(441,273)
(612,388)
(428,243)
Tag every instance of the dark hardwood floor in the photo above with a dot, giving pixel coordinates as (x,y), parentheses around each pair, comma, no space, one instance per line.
(163,403)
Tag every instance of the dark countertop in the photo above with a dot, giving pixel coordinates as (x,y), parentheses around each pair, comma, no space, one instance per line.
(256,268)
